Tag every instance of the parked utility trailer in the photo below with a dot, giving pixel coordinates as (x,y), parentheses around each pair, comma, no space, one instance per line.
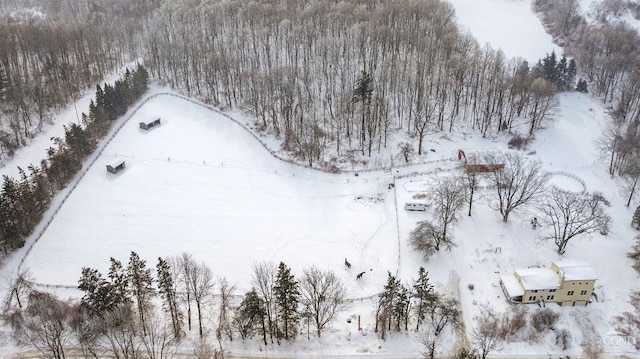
(415,206)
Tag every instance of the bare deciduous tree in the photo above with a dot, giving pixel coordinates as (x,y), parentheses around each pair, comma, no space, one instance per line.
(631,176)
(627,324)
(184,266)
(427,238)
(571,214)
(428,343)
(201,284)
(226,290)
(160,341)
(518,181)
(19,291)
(46,324)
(323,295)
(448,196)
(264,279)
(485,336)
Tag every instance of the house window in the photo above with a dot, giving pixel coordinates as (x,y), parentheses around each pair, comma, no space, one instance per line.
(552,290)
(570,292)
(532,298)
(534,291)
(549,297)
(583,292)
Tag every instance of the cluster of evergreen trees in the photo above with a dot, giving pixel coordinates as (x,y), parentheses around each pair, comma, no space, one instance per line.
(401,304)
(23,201)
(119,313)
(561,73)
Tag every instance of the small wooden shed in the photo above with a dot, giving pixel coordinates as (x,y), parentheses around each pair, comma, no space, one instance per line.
(116,166)
(145,125)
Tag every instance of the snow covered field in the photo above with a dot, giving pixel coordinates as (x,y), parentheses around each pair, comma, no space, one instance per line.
(201,184)
(509,25)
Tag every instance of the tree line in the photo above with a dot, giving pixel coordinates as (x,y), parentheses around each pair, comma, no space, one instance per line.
(140,311)
(607,53)
(137,311)
(51,52)
(24,200)
(321,74)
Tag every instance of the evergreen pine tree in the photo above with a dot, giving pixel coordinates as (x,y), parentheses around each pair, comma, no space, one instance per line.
(572,71)
(402,307)
(363,94)
(140,81)
(167,290)
(582,86)
(384,315)
(287,295)
(561,74)
(141,284)
(635,221)
(4,81)
(78,141)
(424,294)
(99,296)
(41,189)
(100,99)
(11,214)
(251,316)
(120,282)
(25,199)
(549,68)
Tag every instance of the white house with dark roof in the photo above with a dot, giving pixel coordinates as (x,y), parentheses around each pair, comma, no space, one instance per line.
(567,282)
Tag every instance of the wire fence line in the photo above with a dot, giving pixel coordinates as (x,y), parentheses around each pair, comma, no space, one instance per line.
(90,162)
(237,297)
(572,176)
(78,177)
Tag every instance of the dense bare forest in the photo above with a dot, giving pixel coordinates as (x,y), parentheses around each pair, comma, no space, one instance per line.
(318,74)
(326,77)
(344,75)
(332,80)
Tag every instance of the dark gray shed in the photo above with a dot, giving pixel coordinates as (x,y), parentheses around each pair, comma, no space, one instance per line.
(150,123)
(116,166)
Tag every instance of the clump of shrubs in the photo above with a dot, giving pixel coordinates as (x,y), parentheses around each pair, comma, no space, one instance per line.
(544,319)
(518,142)
(512,322)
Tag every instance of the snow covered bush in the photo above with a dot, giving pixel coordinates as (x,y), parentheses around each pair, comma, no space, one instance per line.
(563,339)
(635,220)
(544,319)
(518,142)
(627,324)
(512,322)
(635,255)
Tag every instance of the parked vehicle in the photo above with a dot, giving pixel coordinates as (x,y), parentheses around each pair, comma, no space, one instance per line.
(415,206)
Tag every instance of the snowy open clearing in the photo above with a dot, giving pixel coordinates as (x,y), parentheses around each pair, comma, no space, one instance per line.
(200,183)
(508,25)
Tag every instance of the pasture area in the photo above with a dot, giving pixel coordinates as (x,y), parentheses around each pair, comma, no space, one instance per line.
(200,183)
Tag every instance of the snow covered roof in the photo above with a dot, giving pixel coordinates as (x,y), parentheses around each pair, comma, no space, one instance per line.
(538,278)
(512,286)
(573,269)
(116,162)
